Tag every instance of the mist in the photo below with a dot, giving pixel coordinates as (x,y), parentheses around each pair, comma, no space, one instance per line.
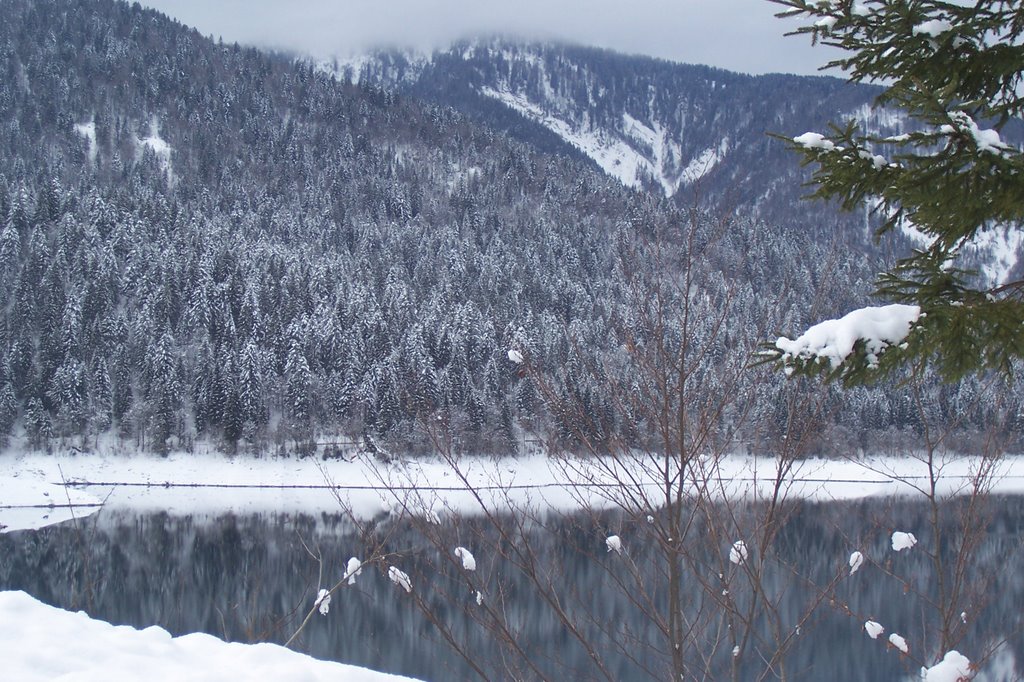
(739,35)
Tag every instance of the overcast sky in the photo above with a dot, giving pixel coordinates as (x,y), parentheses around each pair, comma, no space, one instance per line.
(740,35)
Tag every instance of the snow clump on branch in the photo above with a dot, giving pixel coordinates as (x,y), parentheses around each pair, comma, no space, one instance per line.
(398,577)
(985,139)
(933,28)
(901,540)
(738,553)
(614,544)
(833,340)
(468,560)
(814,141)
(899,643)
(352,569)
(954,667)
(856,560)
(323,602)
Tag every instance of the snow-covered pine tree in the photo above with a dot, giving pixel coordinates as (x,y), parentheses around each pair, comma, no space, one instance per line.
(955,69)
(299,381)
(164,390)
(8,411)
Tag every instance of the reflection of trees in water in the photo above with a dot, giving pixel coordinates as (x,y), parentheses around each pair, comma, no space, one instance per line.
(244,577)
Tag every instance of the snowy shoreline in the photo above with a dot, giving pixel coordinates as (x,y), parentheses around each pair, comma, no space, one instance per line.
(33,494)
(92,650)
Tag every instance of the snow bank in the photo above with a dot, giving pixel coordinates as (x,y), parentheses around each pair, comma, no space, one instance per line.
(833,340)
(42,643)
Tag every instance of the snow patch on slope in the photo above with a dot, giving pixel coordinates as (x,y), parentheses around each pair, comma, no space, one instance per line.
(160,147)
(614,156)
(879,120)
(350,69)
(994,253)
(88,131)
(703,162)
(1001,251)
(619,156)
(354,67)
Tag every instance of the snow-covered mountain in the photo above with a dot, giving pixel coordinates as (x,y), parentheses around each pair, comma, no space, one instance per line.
(652,124)
(689,133)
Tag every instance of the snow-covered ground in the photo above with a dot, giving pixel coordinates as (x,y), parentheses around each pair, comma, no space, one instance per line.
(32,493)
(44,643)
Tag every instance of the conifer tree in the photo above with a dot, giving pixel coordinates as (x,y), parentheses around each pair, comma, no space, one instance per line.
(299,382)
(956,177)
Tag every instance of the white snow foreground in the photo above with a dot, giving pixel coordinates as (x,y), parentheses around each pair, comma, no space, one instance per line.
(42,643)
(833,340)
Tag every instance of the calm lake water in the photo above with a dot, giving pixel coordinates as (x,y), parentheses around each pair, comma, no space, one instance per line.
(251,579)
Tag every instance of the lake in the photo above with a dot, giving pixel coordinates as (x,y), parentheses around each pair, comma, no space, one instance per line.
(252,578)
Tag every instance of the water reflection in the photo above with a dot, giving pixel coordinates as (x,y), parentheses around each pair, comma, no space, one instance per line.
(251,578)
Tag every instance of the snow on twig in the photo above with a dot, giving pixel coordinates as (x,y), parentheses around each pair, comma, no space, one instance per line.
(468,560)
(400,578)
